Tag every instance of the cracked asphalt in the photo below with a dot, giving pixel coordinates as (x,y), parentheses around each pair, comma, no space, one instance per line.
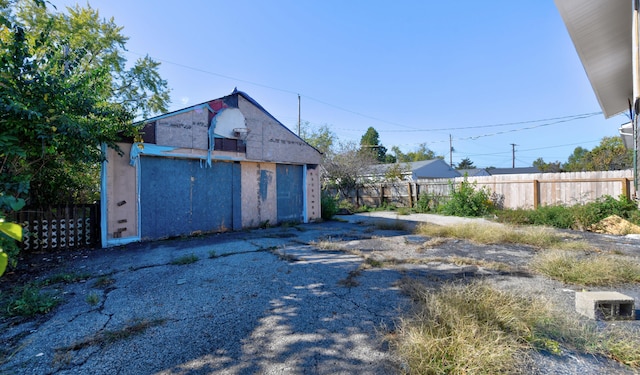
(262,301)
(283,300)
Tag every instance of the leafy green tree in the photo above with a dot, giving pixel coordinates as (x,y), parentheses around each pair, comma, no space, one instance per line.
(420,154)
(610,154)
(370,142)
(64,90)
(390,159)
(323,139)
(465,163)
(578,160)
(548,167)
(397,172)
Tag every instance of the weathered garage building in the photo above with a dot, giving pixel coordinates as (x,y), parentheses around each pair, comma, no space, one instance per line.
(225,164)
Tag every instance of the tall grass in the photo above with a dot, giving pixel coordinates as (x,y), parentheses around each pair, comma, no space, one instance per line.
(592,270)
(477,329)
(466,329)
(488,234)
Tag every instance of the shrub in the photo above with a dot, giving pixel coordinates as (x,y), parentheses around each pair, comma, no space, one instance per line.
(426,203)
(555,216)
(518,216)
(576,217)
(591,213)
(466,200)
(328,206)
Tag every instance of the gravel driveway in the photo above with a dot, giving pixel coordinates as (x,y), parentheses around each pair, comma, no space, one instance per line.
(269,301)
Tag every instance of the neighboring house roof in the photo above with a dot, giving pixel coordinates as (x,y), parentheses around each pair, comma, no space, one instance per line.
(474,172)
(601,32)
(495,171)
(435,168)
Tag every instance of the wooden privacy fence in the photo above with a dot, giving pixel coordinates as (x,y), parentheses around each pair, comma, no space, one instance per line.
(509,191)
(59,227)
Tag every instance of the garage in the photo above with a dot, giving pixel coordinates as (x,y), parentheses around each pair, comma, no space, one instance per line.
(180,197)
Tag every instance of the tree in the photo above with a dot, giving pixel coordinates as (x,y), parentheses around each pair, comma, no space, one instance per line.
(397,171)
(578,160)
(465,163)
(345,166)
(65,90)
(610,154)
(370,142)
(420,154)
(322,139)
(547,167)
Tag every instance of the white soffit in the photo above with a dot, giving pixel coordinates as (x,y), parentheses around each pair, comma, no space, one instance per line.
(601,31)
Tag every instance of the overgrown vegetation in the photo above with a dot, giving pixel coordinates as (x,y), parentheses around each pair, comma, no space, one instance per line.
(29,300)
(61,97)
(540,237)
(478,329)
(581,216)
(467,200)
(591,270)
(328,206)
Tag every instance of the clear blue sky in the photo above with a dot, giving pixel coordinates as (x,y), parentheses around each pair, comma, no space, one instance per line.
(417,71)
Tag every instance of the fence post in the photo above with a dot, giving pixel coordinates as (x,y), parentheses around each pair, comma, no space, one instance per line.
(536,194)
(626,188)
(381,195)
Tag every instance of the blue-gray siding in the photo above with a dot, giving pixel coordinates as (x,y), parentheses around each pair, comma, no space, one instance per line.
(181,196)
(290,192)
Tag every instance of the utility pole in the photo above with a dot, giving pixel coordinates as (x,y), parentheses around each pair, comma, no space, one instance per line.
(450,151)
(298,115)
(513,153)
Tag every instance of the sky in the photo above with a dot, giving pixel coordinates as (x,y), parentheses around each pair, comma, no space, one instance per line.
(493,76)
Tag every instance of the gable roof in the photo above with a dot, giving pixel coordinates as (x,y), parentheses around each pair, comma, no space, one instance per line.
(601,32)
(434,168)
(208,104)
(474,172)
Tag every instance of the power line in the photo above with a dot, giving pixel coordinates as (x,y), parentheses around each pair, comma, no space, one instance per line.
(275,88)
(410,128)
(563,119)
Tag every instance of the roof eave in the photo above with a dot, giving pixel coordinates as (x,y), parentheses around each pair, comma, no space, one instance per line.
(601,32)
